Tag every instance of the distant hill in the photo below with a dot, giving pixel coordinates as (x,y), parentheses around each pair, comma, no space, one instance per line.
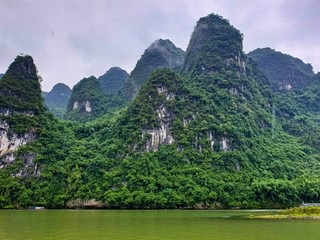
(58,96)
(57,99)
(113,80)
(86,99)
(284,71)
(160,54)
(207,133)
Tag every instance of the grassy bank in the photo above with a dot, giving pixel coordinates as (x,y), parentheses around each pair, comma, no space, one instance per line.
(293,213)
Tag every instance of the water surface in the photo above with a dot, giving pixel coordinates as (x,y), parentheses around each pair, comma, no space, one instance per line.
(153,224)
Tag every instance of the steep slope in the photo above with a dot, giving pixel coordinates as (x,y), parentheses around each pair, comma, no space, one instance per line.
(214,45)
(86,99)
(160,54)
(57,99)
(58,96)
(299,112)
(296,109)
(284,71)
(218,122)
(214,137)
(21,106)
(240,98)
(1,75)
(113,80)
(20,88)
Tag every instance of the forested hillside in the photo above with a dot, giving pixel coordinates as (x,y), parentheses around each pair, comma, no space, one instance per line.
(160,54)
(210,132)
(57,99)
(284,71)
(113,80)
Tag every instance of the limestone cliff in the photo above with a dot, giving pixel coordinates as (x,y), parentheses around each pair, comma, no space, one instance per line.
(86,99)
(221,101)
(21,104)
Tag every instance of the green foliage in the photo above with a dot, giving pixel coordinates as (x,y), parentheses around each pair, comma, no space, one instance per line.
(88,101)
(235,144)
(310,211)
(113,80)
(58,96)
(215,45)
(20,89)
(283,70)
(160,54)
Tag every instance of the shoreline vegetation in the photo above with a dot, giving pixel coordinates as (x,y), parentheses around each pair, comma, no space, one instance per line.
(310,213)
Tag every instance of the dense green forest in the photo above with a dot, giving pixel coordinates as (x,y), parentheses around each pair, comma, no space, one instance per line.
(210,132)
(284,71)
(57,99)
(113,80)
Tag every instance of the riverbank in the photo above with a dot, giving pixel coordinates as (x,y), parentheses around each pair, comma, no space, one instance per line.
(308,213)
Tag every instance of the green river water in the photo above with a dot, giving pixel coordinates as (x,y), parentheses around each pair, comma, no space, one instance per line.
(153,224)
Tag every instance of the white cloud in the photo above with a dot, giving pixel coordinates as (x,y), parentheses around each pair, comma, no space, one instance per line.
(73,39)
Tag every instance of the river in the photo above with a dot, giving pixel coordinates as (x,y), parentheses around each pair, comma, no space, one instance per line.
(150,224)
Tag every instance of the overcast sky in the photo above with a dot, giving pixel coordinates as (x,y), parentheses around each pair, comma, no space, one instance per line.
(72,39)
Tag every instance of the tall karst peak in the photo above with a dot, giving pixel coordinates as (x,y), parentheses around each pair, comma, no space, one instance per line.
(160,54)
(21,106)
(217,94)
(23,67)
(284,71)
(87,100)
(152,112)
(60,87)
(113,80)
(214,45)
(20,89)
(167,48)
(57,99)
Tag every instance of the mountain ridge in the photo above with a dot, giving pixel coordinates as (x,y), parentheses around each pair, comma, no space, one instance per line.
(283,70)
(210,135)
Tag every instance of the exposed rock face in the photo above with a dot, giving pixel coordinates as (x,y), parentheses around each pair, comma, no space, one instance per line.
(152,112)
(162,134)
(80,204)
(86,98)
(87,106)
(9,143)
(9,112)
(160,54)
(20,103)
(225,145)
(75,105)
(284,71)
